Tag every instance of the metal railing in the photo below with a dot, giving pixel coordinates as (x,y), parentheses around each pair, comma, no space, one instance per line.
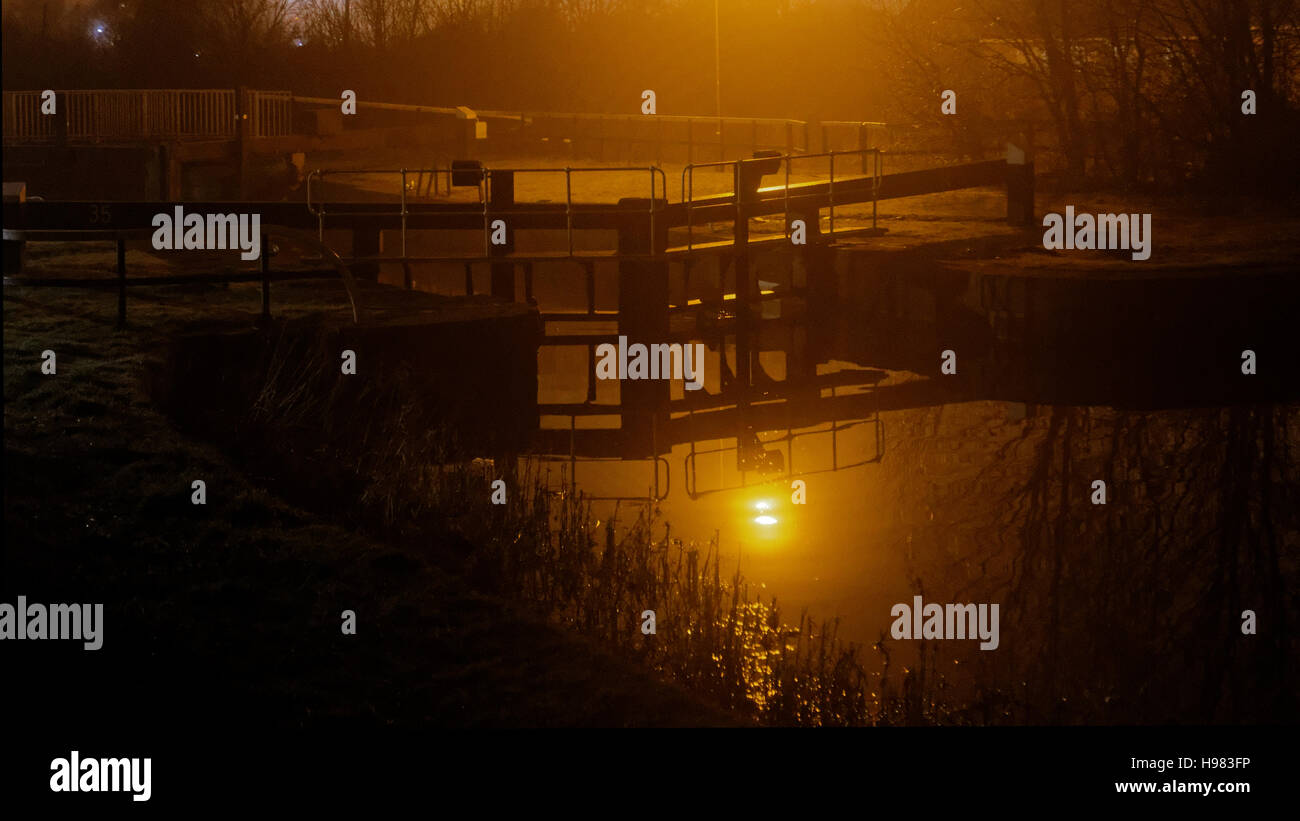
(333,102)
(658,492)
(416,177)
(703,132)
(270,112)
(858,133)
(490,212)
(787,470)
(120,283)
(105,115)
(688,190)
(569,210)
(871,166)
(694,132)
(23,118)
(124,114)
(864,153)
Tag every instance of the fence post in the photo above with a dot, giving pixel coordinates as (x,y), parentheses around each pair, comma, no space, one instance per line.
(62,119)
(1020,192)
(642,317)
(241,139)
(170,166)
(1020,186)
(589,277)
(501,196)
(863,140)
(820,288)
(746,291)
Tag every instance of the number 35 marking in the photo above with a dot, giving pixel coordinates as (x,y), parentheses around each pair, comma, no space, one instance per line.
(100,214)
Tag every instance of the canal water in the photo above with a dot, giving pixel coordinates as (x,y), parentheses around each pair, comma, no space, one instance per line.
(1100,466)
(954,500)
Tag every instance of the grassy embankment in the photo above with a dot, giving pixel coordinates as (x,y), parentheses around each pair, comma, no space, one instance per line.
(229,613)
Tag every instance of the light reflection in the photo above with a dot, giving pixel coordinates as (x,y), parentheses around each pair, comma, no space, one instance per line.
(765,518)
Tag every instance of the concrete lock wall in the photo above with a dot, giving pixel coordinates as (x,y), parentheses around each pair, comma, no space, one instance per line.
(89,172)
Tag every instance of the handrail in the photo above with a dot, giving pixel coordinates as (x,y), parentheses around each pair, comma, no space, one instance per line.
(677,118)
(121,281)
(831,155)
(858,122)
(420,109)
(569,210)
(318,208)
(688,189)
(349,284)
(688,183)
(501,114)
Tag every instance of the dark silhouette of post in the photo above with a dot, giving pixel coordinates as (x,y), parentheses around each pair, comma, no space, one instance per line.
(821,295)
(1020,187)
(501,198)
(642,316)
(170,170)
(242,148)
(60,119)
(864,143)
(745,291)
(748,178)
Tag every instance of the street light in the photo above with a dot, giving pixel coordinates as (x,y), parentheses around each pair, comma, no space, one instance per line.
(717,61)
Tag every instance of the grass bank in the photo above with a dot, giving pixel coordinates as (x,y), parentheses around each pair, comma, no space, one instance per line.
(229,614)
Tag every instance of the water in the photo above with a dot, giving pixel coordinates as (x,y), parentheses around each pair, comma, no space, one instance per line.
(984,489)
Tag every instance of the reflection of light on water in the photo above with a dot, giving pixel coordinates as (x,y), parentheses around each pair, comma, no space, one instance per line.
(764,518)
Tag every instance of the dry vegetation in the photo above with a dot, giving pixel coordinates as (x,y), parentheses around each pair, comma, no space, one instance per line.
(229,614)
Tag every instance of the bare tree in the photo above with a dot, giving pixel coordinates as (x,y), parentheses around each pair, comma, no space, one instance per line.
(244,32)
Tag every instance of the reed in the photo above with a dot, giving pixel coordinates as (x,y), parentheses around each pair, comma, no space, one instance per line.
(545,549)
